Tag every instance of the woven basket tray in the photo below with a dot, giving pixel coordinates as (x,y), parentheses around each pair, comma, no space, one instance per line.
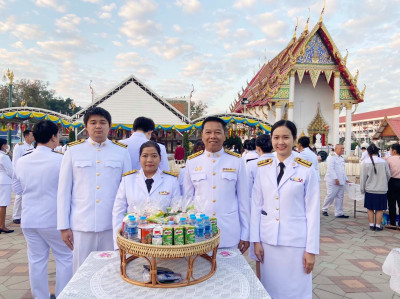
(174,251)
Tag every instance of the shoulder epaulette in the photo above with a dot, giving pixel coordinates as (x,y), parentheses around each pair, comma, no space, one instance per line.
(195,155)
(28,152)
(173,173)
(129,172)
(57,152)
(264,162)
(20,143)
(119,143)
(232,153)
(76,142)
(332,154)
(303,162)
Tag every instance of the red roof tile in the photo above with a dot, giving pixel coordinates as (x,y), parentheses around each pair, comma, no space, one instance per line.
(395,111)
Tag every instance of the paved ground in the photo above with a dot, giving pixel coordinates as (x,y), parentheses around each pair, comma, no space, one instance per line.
(349,266)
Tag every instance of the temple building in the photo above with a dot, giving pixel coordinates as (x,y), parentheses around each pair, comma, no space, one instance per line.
(309,83)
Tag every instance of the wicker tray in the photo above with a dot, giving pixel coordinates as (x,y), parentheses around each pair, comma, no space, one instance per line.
(129,251)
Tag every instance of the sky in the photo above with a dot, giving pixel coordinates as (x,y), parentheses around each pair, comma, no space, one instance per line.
(170,45)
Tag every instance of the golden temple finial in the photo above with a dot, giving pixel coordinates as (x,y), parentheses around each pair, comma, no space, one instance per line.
(10,76)
(24,103)
(356,77)
(247,82)
(322,12)
(242,89)
(363,91)
(265,56)
(308,20)
(345,58)
(295,28)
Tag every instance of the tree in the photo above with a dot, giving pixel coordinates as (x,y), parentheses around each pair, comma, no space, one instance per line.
(186,144)
(237,141)
(197,109)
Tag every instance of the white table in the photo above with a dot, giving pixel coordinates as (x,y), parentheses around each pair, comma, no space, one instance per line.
(99,277)
(391,267)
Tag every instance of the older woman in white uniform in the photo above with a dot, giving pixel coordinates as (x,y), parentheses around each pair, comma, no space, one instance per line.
(285,218)
(6,173)
(147,186)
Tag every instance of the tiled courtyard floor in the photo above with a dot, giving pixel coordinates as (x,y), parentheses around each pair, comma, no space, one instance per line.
(349,266)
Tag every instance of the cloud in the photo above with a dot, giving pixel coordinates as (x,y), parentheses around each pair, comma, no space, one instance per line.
(106,11)
(174,87)
(395,43)
(240,4)
(188,6)
(177,28)
(221,28)
(90,20)
(69,22)
(53,4)
(134,28)
(117,43)
(18,45)
(21,31)
(67,49)
(137,9)
(269,24)
(139,41)
(133,63)
(92,1)
(194,68)
(171,48)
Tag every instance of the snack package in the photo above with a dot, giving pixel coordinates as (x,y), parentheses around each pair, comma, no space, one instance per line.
(190,236)
(157,235)
(168,235)
(179,237)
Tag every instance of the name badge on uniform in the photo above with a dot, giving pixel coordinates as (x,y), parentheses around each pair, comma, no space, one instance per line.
(198,168)
(299,180)
(163,192)
(228,169)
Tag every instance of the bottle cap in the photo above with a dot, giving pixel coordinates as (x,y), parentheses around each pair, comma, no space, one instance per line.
(183,219)
(202,215)
(206,217)
(132,218)
(171,222)
(143,217)
(199,220)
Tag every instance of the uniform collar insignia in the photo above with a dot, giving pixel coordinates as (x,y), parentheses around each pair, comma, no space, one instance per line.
(229,169)
(299,180)
(163,192)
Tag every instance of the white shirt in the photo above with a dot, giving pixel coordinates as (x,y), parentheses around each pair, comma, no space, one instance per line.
(6,169)
(39,187)
(251,155)
(336,169)
(135,142)
(133,196)
(251,169)
(19,150)
(89,179)
(309,155)
(220,180)
(364,156)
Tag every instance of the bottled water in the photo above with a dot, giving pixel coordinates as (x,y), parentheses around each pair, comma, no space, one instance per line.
(193,219)
(132,228)
(207,228)
(199,230)
(182,221)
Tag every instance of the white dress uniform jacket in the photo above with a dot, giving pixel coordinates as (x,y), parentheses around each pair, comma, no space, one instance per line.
(335,169)
(309,155)
(251,169)
(133,196)
(249,156)
(89,179)
(39,218)
(6,169)
(134,142)
(221,182)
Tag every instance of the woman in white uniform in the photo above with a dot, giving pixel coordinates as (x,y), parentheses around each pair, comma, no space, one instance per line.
(6,173)
(285,218)
(148,186)
(264,151)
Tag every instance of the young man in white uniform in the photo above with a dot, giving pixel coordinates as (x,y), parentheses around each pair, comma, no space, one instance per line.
(91,172)
(39,210)
(21,149)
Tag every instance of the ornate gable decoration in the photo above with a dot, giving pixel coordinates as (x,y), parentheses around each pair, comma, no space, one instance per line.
(316,52)
(318,125)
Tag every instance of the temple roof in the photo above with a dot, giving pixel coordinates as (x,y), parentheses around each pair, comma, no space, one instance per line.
(390,127)
(268,80)
(389,112)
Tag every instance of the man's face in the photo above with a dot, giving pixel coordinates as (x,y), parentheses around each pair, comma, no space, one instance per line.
(339,150)
(29,138)
(98,128)
(213,136)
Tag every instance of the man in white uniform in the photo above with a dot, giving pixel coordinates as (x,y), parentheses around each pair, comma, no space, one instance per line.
(364,154)
(39,210)
(142,129)
(335,179)
(219,178)
(91,172)
(303,145)
(20,149)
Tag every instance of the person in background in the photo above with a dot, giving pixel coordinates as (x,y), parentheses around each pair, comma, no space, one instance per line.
(6,174)
(394,183)
(388,152)
(375,174)
(264,151)
(364,154)
(335,179)
(250,152)
(21,149)
(90,175)
(285,221)
(39,210)
(179,153)
(147,187)
(143,128)
(303,145)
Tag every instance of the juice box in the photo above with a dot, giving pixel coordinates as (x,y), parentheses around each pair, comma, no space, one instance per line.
(168,236)
(179,237)
(157,235)
(190,236)
(145,233)
(214,227)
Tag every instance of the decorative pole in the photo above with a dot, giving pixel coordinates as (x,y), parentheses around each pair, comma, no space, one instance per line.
(10,76)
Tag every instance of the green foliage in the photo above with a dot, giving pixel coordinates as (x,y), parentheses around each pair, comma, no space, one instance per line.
(237,141)
(341,140)
(185,144)
(197,109)
(71,136)
(35,93)
(353,145)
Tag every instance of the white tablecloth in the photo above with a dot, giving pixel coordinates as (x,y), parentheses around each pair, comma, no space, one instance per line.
(99,277)
(391,267)
(352,169)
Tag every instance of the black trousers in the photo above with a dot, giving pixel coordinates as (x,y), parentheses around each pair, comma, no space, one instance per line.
(393,197)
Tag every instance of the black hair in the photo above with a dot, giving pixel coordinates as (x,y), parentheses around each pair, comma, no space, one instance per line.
(285,123)
(178,143)
(373,150)
(44,130)
(264,142)
(252,144)
(97,111)
(213,118)
(304,141)
(246,144)
(198,146)
(363,147)
(26,133)
(396,147)
(144,124)
(150,144)
(2,142)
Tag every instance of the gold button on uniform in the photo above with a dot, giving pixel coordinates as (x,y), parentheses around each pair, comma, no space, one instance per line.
(277,209)
(276,197)
(98,174)
(214,187)
(217,155)
(277,219)
(208,155)
(97,201)
(98,149)
(214,173)
(98,187)
(98,161)
(93,143)
(214,200)
(214,214)
(213,161)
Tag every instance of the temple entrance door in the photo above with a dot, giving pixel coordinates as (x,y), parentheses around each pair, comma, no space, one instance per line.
(319,126)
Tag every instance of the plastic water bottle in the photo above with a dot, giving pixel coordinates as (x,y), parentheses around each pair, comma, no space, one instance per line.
(193,219)
(202,216)
(142,220)
(171,222)
(182,221)
(132,229)
(199,230)
(207,228)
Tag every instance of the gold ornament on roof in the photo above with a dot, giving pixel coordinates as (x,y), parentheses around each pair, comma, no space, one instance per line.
(345,58)
(295,28)
(318,125)
(322,12)
(308,19)
(356,77)
(363,91)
